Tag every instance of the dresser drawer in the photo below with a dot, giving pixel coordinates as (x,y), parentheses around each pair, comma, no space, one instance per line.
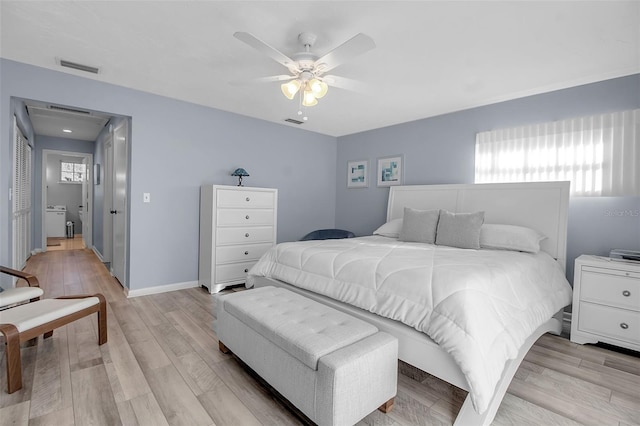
(241,253)
(227,217)
(233,271)
(243,235)
(610,322)
(615,289)
(250,199)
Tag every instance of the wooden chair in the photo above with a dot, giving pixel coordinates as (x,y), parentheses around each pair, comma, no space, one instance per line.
(25,322)
(17,295)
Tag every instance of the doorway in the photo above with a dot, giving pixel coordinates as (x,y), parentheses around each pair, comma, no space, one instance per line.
(67,200)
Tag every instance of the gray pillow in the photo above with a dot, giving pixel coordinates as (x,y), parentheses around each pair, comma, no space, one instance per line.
(459,229)
(419,226)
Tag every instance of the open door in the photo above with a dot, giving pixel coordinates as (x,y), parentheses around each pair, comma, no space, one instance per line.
(85,211)
(119,203)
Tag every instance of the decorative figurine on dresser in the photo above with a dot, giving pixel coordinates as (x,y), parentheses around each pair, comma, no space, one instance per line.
(606,302)
(238,224)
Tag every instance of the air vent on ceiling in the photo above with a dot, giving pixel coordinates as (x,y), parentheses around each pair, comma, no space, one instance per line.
(291,120)
(66,109)
(81,67)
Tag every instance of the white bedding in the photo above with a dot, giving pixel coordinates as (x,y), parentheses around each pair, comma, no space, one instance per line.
(478,305)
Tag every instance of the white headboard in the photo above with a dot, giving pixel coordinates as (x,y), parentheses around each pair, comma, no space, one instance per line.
(542,206)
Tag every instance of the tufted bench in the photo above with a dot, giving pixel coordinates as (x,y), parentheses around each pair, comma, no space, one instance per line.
(334,368)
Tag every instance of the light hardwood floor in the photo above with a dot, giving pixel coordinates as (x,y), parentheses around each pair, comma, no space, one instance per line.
(162,366)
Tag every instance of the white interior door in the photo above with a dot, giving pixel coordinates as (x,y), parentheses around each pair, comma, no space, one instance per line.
(87,203)
(107,217)
(119,204)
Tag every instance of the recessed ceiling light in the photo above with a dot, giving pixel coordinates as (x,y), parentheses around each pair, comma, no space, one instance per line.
(66,130)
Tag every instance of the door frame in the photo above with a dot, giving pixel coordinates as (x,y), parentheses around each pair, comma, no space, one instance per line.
(43,183)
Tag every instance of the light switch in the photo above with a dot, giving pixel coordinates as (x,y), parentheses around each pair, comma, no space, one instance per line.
(146,197)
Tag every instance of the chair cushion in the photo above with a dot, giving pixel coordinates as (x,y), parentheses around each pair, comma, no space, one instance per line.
(19,294)
(301,327)
(31,315)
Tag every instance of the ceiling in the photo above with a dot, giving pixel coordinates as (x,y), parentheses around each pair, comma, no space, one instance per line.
(62,122)
(432,57)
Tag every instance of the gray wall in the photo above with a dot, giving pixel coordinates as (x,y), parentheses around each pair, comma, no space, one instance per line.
(442,149)
(176,147)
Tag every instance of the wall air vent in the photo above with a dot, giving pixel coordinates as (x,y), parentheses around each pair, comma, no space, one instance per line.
(67,109)
(291,120)
(80,67)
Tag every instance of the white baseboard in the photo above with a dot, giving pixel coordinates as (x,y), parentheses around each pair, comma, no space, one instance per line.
(36,251)
(97,253)
(161,289)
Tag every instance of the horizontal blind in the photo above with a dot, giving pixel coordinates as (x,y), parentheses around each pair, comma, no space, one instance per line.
(599,154)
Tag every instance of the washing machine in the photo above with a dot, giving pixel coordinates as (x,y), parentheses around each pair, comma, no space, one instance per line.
(56,221)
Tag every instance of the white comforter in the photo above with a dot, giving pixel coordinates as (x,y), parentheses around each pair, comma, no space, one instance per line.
(479,305)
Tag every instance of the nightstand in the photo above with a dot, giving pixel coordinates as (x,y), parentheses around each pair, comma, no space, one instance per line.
(606,302)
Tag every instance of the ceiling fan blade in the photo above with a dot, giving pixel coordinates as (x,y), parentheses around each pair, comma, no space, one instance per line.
(345,83)
(263,47)
(270,79)
(353,47)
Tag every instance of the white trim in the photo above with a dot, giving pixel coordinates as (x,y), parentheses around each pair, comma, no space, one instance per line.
(160,289)
(98,254)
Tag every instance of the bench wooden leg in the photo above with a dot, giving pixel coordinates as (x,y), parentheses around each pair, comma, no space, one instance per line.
(387,406)
(12,357)
(223,348)
(102,320)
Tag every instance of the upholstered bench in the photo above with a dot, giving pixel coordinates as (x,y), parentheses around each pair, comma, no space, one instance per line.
(30,320)
(334,368)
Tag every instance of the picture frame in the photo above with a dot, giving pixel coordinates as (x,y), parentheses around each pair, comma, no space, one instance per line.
(390,171)
(358,174)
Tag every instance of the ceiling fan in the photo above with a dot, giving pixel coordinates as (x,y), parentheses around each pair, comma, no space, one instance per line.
(307,70)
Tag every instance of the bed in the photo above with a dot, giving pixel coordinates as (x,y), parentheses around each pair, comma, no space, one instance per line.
(539,206)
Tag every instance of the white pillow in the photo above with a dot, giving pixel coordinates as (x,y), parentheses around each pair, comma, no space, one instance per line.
(510,237)
(390,229)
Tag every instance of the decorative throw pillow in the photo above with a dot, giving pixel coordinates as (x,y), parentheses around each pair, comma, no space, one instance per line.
(390,229)
(419,226)
(459,229)
(510,237)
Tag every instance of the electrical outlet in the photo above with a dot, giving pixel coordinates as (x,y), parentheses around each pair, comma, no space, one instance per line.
(146,197)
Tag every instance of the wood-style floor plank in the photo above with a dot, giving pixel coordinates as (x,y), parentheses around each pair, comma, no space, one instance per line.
(161,366)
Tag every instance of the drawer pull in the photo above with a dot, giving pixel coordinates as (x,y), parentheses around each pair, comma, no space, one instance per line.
(626,293)
(247,270)
(248,199)
(246,217)
(624,325)
(246,235)
(246,253)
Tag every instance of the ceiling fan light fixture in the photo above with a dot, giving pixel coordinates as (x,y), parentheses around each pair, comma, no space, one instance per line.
(309,99)
(318,87)
(290,88)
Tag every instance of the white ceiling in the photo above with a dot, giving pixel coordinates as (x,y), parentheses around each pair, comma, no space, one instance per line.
(432,57)
(53,120)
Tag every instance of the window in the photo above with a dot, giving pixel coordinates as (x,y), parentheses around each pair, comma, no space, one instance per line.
(599,155)
(71,172)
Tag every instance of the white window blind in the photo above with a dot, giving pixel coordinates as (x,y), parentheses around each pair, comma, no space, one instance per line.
(599,154)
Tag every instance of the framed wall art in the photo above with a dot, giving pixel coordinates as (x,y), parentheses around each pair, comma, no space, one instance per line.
(358,174)
(390,171)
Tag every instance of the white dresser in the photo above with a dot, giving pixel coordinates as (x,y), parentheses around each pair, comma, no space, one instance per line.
(237,226)
(606,302)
